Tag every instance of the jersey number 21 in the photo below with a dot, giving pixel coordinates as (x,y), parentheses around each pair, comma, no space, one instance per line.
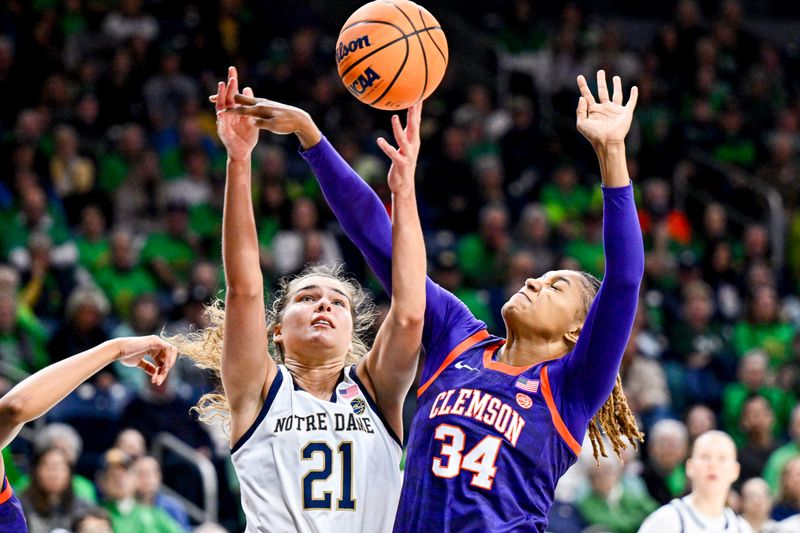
(346,502)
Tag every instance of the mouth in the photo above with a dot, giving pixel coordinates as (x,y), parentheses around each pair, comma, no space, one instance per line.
(525,295)
(322,322)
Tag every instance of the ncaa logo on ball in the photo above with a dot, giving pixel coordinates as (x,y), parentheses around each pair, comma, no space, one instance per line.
(358,406)
(524,401)
(364,81)
(343,50)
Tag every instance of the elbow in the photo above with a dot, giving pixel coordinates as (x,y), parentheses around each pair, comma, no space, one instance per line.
(12,411)
(410,320)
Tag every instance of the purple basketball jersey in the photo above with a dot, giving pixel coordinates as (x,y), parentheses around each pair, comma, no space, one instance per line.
(12,520)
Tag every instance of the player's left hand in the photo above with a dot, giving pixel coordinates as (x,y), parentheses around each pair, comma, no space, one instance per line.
(606,121)
(236,132)
(132,352)
(404,157)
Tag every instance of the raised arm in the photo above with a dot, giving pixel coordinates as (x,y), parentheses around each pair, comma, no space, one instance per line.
(593,365)
(365,221)
(247,370)
(37,394)
(391,365)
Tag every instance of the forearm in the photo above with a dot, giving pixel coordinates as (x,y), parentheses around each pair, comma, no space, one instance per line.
(408,259)
(613,164)
(240,253)
(357,208)
(622,235)
(38,393)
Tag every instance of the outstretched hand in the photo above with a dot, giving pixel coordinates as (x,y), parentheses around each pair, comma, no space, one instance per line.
(133,350)
(404,157)
(236,132)
(606,121)
(275,117)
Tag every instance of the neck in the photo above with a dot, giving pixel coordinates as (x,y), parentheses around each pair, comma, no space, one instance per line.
(762,440)
(709,504)
(518,351)
(756,522)
(318,380)
(148,498)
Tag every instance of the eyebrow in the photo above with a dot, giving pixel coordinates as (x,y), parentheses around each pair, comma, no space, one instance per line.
(556,279)
(312,287)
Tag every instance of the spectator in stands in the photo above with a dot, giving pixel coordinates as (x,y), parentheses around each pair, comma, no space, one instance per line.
(66,439)
(644,382)
(92,520)
(699,347)
(86,310)
(73,174)
(49,502)
(131,442)
(788,500)
(483,256)
(149,490)
(699,419)
(167,92)
(118,484)
(123,279)
(753,380)
(777,461)
(92,241)
(757,505)
(290,248)
(22,336)
(129,21)
(759,443)
(612,505)
(170,253)
(534,235)
(664,473)
(194,187)
(763,328)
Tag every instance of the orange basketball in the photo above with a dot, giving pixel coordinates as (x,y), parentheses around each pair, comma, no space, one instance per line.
(391,54)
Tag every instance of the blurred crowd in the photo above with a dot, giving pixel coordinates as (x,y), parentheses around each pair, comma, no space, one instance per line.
(111,187)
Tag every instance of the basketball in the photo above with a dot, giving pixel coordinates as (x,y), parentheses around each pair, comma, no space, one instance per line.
(391,54)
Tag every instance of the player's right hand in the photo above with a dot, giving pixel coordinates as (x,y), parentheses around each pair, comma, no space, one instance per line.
(133,350)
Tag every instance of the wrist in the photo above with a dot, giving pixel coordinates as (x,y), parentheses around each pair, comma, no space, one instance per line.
(114,347)
(308,134)
(610,149)
(241,160)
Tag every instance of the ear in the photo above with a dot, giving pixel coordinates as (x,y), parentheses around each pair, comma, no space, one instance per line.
(571,337)
(277,336)
(690,468)
(736,471)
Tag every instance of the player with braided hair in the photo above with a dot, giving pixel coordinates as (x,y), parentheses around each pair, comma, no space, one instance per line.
(499,421)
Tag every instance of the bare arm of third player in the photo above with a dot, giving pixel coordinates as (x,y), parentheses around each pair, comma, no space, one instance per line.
(247,370)
(38,393)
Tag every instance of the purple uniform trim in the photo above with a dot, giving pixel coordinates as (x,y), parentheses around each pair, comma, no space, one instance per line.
(12,519)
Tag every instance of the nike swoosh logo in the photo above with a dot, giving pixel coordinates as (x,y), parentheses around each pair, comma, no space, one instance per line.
(461,366)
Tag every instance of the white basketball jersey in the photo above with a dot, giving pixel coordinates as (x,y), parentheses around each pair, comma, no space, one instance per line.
(314,466)
(681,516)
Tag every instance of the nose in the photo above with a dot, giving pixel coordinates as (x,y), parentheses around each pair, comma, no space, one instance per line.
(323,304)
(533,284)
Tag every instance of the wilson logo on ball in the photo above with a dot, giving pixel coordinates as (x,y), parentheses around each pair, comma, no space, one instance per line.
(343,50)
(363,82)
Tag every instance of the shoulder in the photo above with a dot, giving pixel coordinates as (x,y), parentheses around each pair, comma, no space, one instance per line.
(665,518)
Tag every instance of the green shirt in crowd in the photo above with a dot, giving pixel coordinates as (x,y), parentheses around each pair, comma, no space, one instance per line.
(624,516)
(123,286)
(776,462)
(774,338)
(733,398)
(175,251)
(563,205)
(93,255)
(139,518)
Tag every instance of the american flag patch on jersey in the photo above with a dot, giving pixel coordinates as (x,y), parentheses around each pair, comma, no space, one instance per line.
(349,392)
(530,385)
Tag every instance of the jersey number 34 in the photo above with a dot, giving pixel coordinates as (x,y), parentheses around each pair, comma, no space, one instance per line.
(479,460)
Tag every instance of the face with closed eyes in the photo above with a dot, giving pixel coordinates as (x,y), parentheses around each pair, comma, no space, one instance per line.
(317,319)
(550,307)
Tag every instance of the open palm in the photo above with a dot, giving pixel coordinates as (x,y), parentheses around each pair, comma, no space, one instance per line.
(605,121)
(236,131)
